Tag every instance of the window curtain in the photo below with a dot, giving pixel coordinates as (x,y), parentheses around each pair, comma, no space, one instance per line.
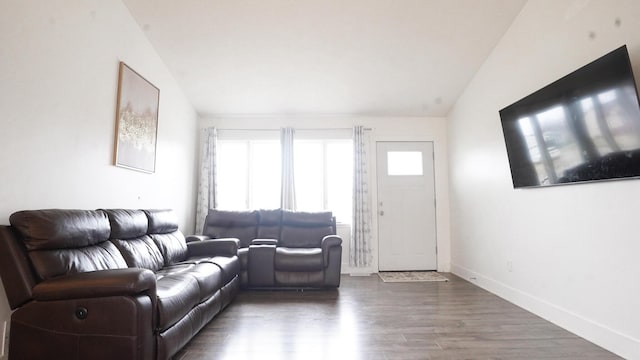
(287,183)
(207,181)
(360,244)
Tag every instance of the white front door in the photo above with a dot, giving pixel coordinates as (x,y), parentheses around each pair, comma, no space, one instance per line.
(406,206)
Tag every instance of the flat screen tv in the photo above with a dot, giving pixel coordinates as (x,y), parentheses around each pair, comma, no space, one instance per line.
(582,127)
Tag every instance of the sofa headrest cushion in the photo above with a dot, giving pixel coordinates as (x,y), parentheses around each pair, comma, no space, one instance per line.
(270,217)
(307,219)
(127,224)
(162,221)
(224,218)
(61,229)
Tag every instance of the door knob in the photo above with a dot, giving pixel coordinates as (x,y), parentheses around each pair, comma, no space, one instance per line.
(381,212)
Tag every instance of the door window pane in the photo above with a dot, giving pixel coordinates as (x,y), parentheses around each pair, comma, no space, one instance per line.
(404,163)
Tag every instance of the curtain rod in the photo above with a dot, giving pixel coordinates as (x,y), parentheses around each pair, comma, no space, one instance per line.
(301,129)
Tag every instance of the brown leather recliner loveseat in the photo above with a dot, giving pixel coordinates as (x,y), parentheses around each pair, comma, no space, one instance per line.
(110,284)
(281,248)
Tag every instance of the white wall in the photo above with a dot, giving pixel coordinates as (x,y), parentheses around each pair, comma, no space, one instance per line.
(574,248)
(58,83)
(383,129)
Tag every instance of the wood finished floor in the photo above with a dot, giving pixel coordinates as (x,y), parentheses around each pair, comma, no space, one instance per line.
(370,320)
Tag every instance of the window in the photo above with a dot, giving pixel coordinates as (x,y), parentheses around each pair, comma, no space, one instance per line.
(232,175)
(248,174)
(324,176)
(264,192)
(248,171)
(403,163)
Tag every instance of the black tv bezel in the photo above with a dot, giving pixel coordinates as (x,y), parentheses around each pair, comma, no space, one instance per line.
(549,95)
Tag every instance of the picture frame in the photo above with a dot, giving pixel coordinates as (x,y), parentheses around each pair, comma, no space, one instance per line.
(136,121)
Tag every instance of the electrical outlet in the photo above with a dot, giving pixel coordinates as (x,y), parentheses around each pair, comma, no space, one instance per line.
(5,340)
(510,266)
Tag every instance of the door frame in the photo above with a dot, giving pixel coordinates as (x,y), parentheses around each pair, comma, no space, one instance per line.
(436,133)
(376,200)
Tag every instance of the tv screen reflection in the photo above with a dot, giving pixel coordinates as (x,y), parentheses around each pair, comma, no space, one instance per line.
(583,127)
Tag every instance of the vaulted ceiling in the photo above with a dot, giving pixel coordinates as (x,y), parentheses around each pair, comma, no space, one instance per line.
(352,57)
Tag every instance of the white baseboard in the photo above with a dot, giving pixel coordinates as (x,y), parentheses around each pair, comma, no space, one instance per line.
(444,266)
(348,270)
(614,341)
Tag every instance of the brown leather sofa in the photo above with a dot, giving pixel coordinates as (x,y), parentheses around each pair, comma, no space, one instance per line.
(281,248)
(110,284)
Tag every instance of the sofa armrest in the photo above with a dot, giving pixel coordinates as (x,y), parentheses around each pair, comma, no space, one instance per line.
(192,238)
(213,247)
(331,240)
(264,242)
(328,242)
(103,283)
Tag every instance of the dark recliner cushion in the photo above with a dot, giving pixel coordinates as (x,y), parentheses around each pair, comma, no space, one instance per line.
(269,224)
(163,229)
(61,242)
(127,224)
(242,225)
(305,229)
(172,246)
(230,266)
(299,259)
(162,221)
(209,278)
(207,275)
(177,294)
(52,263)
(140,252)
(129,234)
(61,229)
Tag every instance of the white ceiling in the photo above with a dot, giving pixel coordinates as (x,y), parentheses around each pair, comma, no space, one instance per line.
(324,57)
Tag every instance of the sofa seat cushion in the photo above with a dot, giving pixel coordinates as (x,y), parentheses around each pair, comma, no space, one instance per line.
(207,274)
(209,278)
(193,260)
(177,294)
(298,259)
(230,266)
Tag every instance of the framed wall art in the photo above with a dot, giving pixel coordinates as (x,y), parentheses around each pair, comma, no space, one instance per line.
(136,121)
